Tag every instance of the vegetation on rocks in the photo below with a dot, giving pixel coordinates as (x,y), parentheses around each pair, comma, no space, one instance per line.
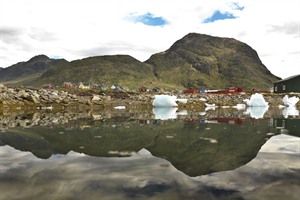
(195,61)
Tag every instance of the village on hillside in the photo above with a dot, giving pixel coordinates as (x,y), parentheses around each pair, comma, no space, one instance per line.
(287,85)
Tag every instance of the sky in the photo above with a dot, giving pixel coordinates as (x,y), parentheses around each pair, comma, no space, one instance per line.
(76,29)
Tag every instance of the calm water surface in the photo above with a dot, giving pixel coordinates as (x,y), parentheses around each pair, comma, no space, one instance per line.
(154,154)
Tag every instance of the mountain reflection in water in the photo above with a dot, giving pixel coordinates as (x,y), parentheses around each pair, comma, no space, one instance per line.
(129,155)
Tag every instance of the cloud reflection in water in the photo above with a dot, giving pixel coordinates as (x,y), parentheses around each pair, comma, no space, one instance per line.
(273,173)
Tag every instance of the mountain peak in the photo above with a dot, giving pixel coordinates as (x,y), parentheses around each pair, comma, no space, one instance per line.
(39,58)
(204,61)
(194,61)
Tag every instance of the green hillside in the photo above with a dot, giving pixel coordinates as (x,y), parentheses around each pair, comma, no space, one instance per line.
(23,72)
(195,61)
(122,70)
(203,61)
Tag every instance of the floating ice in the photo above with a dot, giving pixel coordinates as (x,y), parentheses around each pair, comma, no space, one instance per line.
(167,101)
(210,105)
(256,100)
(202,113)
(202,99)
(290,111)
(165,113)
(257,112)
(290,102)
(210,108)
(225,106)
(240,106)
(182,112)
(119,107)
(182,100)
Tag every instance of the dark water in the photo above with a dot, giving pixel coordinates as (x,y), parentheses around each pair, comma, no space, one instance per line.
(156,154)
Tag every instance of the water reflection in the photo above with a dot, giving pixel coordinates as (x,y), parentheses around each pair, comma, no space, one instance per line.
(193,145)
(141,154)
(78,176)
(288,126)
(257,112)
(290,111)
(165,113)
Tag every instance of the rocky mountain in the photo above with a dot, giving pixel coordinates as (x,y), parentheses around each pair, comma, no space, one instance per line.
(23,72)
(203,61)
(117,69)
(195,61)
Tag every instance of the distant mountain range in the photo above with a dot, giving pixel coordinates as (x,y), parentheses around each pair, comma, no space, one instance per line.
(195,61)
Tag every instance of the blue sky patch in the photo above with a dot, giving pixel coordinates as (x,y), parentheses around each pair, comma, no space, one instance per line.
(219,16)
(55,57)
(148,19)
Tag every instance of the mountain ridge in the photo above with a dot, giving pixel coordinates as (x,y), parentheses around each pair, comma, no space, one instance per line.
(194,61)
(211,62)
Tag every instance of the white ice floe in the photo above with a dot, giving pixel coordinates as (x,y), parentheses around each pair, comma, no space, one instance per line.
(165,113)
(240,106)
(202,113)
(290,111)
(225,106)
(210,105)
(182,100)
(119,107)
(290,102)
(182,112)
(257,112)
(210,108)
(256,100)
(167,101)
(202,99)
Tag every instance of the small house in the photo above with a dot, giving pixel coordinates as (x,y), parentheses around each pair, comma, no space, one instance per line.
(82,86)
(156,89)
(143,89)
(48,86)
(116,88)
(291,84)
(68,85)
(191,91)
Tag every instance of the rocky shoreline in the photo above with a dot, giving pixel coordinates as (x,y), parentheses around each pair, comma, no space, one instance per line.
(20,98)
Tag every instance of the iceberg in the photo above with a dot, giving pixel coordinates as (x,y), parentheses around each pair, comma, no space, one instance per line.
(290,111)
(257,112)
(290,102)
(256,100)
(167,101)
(182,100)
(165,113)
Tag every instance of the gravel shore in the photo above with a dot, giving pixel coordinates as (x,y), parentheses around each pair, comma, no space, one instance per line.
(32,98)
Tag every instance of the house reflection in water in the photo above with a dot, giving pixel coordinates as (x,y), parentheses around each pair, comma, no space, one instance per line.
(227,120)
(288,126)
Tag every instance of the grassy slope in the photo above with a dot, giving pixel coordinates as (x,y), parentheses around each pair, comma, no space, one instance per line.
(195,61)
(205,61)
(119,69)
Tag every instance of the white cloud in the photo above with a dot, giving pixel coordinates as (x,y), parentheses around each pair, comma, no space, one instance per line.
(74,29)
